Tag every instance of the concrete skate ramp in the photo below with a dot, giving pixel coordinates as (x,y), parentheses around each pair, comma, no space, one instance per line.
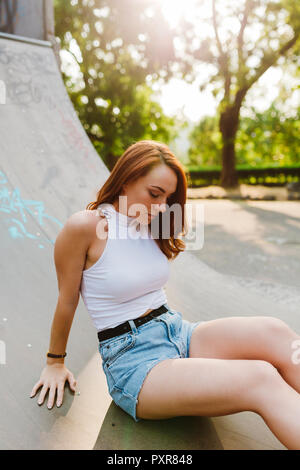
(49,170)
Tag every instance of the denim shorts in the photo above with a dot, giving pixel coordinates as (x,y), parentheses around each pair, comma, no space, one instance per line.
(127,358)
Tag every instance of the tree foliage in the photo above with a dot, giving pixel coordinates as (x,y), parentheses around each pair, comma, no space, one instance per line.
(124,45)
(112,93)
(242,40)
(264,138)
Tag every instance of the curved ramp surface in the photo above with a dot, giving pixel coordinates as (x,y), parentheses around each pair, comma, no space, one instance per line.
(181,433)
(48,170)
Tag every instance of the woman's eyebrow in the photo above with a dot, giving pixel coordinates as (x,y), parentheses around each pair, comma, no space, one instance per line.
(158,187)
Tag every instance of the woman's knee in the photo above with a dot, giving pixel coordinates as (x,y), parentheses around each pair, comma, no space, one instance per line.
(279,337)
(275,326)
(263,377)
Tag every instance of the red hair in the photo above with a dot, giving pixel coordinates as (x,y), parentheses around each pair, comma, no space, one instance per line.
(140,158)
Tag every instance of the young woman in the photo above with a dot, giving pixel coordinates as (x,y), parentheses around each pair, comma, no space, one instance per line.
(157,364)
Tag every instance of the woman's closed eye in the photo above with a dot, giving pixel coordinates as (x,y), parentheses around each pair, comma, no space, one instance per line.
(153,195)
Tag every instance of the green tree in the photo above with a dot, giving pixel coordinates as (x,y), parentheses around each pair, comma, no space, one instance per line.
(265,137)
(238,40)
(112,96)
(205,143)
(269,137)
(241,59)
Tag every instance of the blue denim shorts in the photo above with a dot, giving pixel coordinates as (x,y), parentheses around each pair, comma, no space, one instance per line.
(127,358)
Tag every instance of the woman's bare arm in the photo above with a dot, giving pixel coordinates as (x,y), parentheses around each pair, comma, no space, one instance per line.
(70,251)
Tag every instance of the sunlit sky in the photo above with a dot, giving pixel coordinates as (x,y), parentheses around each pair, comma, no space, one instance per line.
(178,95)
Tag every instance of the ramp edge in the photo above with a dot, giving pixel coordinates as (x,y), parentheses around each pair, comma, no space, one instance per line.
(15,37)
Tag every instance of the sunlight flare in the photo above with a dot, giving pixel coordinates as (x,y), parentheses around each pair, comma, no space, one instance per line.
(174,10)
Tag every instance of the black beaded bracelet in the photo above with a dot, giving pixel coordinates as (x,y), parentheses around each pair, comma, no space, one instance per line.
(56,356)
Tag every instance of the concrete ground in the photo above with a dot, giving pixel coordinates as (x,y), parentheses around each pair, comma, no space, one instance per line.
(256,244)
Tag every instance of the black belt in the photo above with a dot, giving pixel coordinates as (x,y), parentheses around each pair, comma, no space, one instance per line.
(124,327)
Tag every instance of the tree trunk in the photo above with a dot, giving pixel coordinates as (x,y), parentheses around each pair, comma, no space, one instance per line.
(229,122)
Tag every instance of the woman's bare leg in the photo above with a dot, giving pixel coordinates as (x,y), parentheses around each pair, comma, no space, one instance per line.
(261,338)
(217,387)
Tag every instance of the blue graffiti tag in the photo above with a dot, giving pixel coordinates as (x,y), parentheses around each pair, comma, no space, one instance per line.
(12,203)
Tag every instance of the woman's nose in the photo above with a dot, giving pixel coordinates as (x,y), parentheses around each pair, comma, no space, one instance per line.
(164,207)
(161,208)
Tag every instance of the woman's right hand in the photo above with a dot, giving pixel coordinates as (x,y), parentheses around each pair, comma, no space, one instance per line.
(53,377)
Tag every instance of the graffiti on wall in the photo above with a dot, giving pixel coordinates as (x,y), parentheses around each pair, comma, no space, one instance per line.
(21,211)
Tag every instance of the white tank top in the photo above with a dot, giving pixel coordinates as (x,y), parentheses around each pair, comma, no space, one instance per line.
(129,276)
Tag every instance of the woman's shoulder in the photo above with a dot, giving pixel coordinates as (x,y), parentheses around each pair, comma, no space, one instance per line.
(78,232)
(84,221)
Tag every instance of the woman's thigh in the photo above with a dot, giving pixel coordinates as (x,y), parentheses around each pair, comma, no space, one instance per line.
(202,387)
(256,337)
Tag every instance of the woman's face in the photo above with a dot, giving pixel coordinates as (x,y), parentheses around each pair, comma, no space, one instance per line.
(149,193)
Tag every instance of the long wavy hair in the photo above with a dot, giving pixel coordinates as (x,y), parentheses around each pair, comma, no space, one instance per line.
(139,159)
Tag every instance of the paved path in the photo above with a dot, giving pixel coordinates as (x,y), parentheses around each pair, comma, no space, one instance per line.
(255,243)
